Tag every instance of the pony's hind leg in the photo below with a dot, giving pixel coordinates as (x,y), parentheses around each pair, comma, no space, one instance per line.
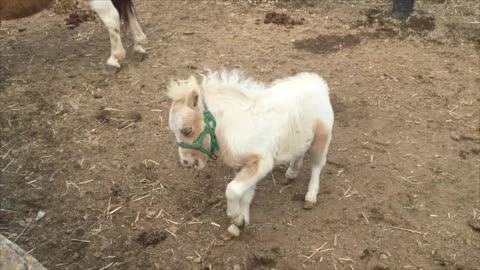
(318,151)
(111,18)
(294,169)
(139,37)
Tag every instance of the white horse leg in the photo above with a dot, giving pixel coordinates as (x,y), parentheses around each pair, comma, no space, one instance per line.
(139,37)
(110,17)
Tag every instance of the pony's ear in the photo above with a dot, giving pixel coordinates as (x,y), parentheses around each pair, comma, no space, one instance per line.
(192,99)
(173,90)
(192,79)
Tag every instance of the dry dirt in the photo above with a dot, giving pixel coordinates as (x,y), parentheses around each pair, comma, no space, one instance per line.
(91,148)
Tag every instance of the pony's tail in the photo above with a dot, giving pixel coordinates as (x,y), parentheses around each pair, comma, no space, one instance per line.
(124,8)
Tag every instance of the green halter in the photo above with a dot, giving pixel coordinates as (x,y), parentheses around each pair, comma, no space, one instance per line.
(210,125)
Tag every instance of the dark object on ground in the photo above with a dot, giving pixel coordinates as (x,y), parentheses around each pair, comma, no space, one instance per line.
(402,9)
(281,18)
(151,238)
(475,224)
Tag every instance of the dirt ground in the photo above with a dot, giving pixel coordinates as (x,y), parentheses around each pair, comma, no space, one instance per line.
(90,146)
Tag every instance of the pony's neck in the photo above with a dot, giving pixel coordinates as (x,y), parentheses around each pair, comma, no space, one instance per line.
(222,103)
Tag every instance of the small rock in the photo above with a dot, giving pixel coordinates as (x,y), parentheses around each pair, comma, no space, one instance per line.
(188,33)
(383,256)
(41,214)
(237,267)
(192,235)
(197,260)
(97,254)
(219,243)
(173,229)
(97,95)
(455,136)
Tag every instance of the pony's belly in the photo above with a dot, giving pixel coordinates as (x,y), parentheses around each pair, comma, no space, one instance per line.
(293,149)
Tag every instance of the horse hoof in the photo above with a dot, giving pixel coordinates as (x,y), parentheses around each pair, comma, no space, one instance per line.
(233,230)
(113,62)
(139,49)
(308,205)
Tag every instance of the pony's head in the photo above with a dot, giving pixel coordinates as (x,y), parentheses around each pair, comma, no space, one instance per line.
(191,123)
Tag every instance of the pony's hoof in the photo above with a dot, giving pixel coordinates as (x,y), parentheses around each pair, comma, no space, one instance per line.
(113,62)
(308,205)
(233,230)
(139,49)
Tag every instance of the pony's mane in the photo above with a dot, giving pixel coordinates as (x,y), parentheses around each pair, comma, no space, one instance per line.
(232,81)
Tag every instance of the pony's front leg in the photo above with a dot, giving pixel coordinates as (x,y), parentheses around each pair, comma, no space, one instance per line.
(240,191)
(110,17)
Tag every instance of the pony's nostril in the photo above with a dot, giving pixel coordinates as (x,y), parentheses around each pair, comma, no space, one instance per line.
(195,164)
(184,162)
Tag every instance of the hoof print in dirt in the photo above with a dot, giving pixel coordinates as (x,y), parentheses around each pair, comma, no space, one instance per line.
(325,44)
(134,116)
(474,224)
(263,260)
(281,19)
(115,190)
(151,238)
(139,56)
(103,116)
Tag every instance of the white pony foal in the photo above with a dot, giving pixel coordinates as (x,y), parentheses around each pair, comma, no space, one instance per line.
(255,127)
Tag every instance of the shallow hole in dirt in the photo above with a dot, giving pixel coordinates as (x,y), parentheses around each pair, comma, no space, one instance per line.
(421,23)
(281,19)
(384,25)
(263,259)
(324,44)
(151,238)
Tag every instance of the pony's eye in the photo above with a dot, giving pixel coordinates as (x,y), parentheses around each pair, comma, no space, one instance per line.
(187,131)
